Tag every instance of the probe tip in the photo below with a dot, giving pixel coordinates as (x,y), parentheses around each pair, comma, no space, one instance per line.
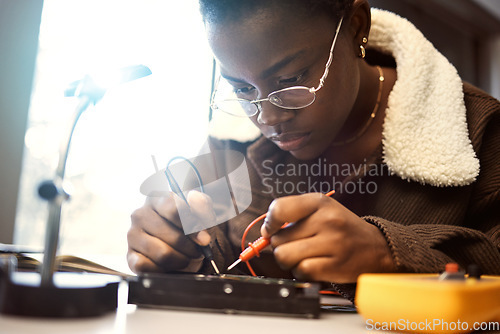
(215,267)
(234,264)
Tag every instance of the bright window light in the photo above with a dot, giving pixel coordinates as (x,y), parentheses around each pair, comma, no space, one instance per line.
(162,115)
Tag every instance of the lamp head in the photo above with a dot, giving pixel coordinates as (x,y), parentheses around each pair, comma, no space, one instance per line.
(94,87)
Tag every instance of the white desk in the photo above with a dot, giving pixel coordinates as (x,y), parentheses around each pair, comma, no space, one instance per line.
(130,319)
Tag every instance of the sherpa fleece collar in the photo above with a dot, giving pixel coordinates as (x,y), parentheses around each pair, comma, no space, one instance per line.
(425,128)
(425,136)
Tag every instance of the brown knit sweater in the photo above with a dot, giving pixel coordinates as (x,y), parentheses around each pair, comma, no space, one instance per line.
(425,226)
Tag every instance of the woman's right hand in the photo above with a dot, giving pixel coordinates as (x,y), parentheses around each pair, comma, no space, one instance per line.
(156,240)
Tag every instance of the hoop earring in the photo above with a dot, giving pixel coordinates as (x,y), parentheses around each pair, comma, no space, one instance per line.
(363,51)
(362,48)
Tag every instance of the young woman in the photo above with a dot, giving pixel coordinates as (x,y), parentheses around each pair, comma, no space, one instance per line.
(350,99)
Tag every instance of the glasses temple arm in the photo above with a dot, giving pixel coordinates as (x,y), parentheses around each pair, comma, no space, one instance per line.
(330,59)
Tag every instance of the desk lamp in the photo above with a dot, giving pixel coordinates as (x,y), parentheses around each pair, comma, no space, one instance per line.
(56,294)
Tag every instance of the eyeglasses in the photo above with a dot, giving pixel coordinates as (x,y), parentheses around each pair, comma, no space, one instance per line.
(295,97)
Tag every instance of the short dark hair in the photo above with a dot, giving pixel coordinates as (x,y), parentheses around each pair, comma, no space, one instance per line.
(216,11)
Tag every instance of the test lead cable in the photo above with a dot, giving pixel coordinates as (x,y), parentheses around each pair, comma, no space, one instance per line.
(206,250)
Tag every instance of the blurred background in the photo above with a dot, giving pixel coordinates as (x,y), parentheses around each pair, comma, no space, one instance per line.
(45,45)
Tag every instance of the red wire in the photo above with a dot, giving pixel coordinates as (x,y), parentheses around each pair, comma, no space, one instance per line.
(243,238)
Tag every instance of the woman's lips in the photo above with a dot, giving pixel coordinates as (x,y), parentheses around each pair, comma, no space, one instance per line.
(290,141)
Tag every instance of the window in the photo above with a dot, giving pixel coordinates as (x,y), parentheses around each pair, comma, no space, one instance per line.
(161,115)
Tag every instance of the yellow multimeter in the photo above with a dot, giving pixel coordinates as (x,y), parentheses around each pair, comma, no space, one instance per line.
(429,303)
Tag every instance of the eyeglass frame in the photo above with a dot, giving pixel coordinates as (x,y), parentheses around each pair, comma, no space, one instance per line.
(258,102)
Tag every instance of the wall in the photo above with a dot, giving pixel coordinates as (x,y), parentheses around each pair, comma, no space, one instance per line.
(19,27)
(465,31)
(495,66)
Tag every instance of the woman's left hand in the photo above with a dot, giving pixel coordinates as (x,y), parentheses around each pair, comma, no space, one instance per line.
(326,241)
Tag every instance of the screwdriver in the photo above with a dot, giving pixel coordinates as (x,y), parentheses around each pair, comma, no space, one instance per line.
(255,247)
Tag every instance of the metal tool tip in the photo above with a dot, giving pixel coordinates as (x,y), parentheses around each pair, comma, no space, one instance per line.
(234,264)
(215,267)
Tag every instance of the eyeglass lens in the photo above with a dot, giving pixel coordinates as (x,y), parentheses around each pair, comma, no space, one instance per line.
(288,98)
(292,98)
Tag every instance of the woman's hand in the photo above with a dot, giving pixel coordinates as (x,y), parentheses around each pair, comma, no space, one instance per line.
(326,242)
(156,240)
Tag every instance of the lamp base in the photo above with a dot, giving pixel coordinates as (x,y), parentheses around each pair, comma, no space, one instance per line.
(72,294)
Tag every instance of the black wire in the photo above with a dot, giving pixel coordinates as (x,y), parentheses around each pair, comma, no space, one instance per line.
(173,183)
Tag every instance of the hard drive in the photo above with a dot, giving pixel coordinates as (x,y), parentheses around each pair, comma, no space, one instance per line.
(226,293)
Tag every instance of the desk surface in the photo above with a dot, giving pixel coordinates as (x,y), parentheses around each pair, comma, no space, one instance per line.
(130,319)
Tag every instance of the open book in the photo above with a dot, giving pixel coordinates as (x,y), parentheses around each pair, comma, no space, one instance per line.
(68,263)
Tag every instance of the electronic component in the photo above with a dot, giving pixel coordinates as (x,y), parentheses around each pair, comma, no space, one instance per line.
(226,293)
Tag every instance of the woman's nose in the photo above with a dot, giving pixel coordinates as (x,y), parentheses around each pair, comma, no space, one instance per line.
(271,115)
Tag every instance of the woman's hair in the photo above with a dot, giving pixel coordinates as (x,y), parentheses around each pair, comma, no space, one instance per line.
(217,11)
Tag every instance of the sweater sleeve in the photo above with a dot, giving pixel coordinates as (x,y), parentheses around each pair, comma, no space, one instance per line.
(424,248)
(427,248)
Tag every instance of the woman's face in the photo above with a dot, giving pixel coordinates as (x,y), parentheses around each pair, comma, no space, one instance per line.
(267,51)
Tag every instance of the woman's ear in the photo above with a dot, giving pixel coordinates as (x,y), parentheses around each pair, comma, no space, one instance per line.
(359,26)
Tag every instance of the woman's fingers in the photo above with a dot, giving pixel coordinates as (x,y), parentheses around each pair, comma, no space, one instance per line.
(167,207)
(158,227)
(202,207)
(326,241)
(200,214)
(195,215)
(161,254)
(157,239)
(291,209)
(139,263)
(321,269)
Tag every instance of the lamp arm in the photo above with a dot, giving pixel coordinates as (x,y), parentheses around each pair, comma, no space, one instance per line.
(54,192)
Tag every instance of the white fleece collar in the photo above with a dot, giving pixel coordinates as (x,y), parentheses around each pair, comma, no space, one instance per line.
(425,130)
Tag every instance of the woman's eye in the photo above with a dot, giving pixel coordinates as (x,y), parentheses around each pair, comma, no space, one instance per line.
(291,80)
(244,90)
